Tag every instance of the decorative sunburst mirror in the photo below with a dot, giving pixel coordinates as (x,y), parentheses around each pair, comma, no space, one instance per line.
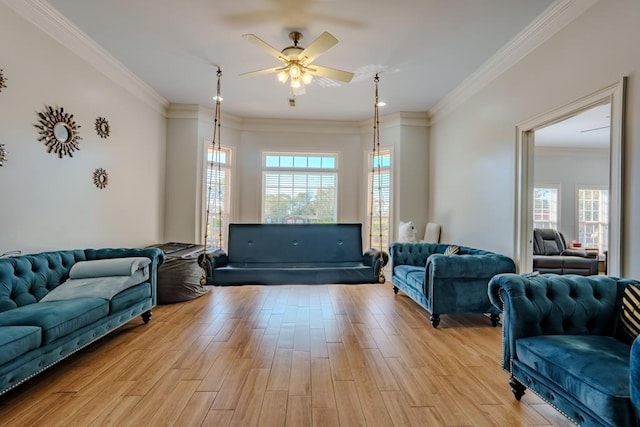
(3,154)
(58,131)
(100,178)
(102,127)
(3,80)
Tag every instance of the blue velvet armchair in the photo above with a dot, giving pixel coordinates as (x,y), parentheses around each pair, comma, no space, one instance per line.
(446,284)
(560,340)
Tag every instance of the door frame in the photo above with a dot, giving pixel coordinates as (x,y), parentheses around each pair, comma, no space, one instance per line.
(525,153)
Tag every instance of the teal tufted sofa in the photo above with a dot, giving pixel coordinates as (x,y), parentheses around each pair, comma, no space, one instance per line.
(276,254)
(559,340)
(35,335)
(446,284)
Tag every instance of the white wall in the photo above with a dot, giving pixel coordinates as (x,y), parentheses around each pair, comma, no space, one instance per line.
(51,203)
(407,136)
(472,155)
(570,168)
(191,126)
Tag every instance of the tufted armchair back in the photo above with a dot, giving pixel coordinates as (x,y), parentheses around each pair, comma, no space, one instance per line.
(418,253)
(27,279)
(551,304)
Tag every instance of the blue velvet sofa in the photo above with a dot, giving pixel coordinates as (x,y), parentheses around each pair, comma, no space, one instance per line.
(274,254)
(560,341)
(446,284)
(35,335)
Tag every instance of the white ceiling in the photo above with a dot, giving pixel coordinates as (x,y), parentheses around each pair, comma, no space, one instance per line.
(422,48)
(589,129)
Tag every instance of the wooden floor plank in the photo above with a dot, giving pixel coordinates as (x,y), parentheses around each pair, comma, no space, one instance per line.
(196,409)
(274,408)
(299,412)
(300,380)
(287,355)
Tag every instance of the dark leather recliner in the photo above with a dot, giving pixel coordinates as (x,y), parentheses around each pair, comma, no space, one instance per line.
(551,255)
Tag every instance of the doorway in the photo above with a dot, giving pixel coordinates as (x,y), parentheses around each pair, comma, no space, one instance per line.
(611,99)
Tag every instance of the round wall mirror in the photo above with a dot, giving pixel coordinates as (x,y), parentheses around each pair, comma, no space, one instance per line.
(3,80)
(58,131)
(61,132)
(102,127)
(100,178)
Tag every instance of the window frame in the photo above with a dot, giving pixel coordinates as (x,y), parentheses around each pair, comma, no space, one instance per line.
(227,167)
(295,168)
(558,189)
(604,243)
(386,240)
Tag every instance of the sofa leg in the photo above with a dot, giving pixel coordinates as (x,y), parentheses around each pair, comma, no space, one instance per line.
(435,320)
(395,290)
(146,316)
(495,319)
(517,388)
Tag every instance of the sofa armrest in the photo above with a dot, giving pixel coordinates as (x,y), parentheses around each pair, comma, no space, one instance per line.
(468,266)
(549,304)
(579,253)
(377,259)
(373,256)
(214,259)
(156,256)
(634,378)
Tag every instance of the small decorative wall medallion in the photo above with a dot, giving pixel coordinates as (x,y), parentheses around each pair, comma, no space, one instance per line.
(100,178)
(3,80)
(3,154)
(59,131)
(102,127)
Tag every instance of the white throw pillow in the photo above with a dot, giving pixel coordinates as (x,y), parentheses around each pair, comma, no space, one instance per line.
(407,232)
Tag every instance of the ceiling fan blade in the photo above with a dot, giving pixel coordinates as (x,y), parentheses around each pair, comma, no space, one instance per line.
(253,39)
(261,72)
(330,73)
(317,47)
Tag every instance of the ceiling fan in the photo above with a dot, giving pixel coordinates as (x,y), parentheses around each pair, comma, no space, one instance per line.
(297,61)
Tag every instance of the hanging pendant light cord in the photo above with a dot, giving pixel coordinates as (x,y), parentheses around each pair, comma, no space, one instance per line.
(376,167)
(216,151)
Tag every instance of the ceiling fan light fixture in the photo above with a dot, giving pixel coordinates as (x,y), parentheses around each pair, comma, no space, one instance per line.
(294,71)
(295,82)
(306,78)
(283,76)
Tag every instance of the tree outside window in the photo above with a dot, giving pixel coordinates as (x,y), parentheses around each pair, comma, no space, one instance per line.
(217,186)
(593,217)
(545,207)
(379,199)
(300,188)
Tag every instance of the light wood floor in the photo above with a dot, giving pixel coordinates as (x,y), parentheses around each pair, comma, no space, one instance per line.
(348,355)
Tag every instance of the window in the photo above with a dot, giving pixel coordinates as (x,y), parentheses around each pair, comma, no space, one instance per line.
(217,187)
(379,199)
(299,188)
(545,207)
(593,217)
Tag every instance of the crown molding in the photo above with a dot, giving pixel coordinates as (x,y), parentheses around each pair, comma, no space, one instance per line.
(402,118)
(206,115)
(300,126)
(202,114)
(557,16)
(41,14)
